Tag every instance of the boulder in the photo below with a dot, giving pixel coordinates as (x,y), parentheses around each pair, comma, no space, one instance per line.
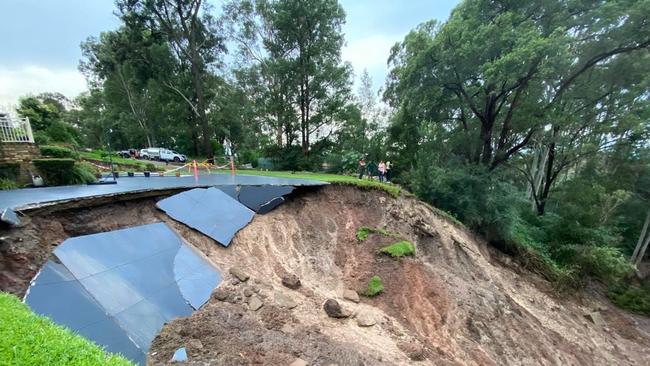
(241,275)
(365,320)
(351,295)
(255,303)
(291,281)
(284,301)
(334,309)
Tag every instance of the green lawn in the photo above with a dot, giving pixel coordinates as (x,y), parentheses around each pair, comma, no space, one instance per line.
(98,156)
(32,340)
(393,190)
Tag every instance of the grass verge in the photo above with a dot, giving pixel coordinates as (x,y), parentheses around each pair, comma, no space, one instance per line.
(391,189)
(399,249)
(32,340)
(375,287)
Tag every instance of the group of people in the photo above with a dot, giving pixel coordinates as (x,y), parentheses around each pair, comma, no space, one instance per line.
(383,170)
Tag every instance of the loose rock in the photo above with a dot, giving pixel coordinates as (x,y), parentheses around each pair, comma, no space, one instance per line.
(241,275)
(334,310)
(248,292)
(195,344)
(595,318)
(254,303)
(291,281)
(298,362)
(220,294)
(413,350)
(351,295)
(365,320)
(284,301)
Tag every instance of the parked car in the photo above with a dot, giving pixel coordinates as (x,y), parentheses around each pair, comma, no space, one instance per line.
(158,153)
(171,155)
(130,153)
(152,153)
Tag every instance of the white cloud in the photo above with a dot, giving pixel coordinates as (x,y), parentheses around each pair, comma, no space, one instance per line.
(34,79)
(370,53)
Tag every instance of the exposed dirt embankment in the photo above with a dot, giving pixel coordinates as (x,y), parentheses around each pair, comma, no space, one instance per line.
(457,302)
(455,299)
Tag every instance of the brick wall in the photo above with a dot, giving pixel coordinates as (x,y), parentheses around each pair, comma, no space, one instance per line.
(23,153)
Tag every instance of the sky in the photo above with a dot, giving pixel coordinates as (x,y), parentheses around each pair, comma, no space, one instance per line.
(39,39)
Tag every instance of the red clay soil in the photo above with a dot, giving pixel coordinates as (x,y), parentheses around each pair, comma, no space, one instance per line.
(456,302)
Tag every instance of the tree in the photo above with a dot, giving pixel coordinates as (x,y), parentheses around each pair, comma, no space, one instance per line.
(194,36)
(496,70)
(296,45)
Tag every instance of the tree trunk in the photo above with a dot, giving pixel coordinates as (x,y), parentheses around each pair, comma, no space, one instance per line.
(642,236)
(200,106)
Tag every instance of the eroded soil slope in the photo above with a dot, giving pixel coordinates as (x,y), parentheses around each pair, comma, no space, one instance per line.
(454,303)
(457,302)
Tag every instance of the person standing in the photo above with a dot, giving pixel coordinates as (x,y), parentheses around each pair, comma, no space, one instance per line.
(389,173)
(382,171)
(362,167)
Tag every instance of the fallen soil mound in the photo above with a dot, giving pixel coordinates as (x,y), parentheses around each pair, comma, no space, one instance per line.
(456,302)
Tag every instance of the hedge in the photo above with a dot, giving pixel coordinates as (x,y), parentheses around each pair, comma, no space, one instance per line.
(57,172)
(57,152)
(9,170)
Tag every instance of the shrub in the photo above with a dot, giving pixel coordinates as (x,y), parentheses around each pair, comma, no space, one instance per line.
(375,287)
(30,339)
(633,298)
(57,152)
(63,172)
(150,167)
(6,184)
(399,249)
(9,170)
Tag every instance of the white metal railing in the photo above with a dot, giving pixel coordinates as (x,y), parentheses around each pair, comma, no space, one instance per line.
(15,129)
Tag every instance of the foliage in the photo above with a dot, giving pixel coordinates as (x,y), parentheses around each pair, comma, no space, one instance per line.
(399,249)
(56,172)
(375,287)
(631,297)
(9,170)
(53,151)
(51,118)
(6,184)
(364,231)
(30,339)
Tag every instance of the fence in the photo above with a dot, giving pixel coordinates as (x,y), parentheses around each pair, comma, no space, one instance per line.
(15,129)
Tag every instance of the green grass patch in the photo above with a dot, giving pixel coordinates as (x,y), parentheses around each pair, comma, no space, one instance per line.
(391,189)
(364,231)
(399,249)
(32,340)
(375,287)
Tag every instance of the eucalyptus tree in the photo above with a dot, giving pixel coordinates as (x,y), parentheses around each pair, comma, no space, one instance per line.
(197,41)
(495,72)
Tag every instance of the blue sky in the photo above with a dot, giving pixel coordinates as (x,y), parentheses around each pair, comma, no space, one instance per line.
(39,39)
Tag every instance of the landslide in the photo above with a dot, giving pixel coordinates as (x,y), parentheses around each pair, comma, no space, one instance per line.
(456,302)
